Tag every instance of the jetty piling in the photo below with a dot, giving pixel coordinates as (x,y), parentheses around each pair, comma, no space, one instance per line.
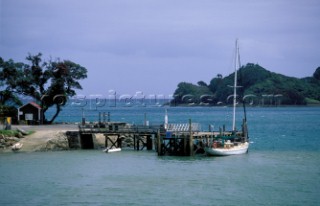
(190,138)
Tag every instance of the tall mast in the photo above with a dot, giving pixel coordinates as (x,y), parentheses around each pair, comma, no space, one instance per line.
(235,87)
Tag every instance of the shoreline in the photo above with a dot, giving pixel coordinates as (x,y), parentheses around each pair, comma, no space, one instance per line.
(247,105)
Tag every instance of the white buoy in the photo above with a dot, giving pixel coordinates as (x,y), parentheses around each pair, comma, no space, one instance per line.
(108,150)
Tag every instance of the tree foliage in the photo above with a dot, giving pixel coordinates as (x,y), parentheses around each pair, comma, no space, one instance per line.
(50,83)
(258,81)
(316,74)
(202,84)
(188,93)
(8,74)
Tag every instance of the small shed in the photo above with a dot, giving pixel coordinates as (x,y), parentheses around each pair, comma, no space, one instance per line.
(31,112)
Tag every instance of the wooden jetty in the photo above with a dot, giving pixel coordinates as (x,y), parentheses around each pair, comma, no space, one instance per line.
(171,139)
(118,132)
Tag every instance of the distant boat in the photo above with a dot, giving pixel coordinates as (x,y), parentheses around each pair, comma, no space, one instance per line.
(108,150)
(231,142)
(17,146)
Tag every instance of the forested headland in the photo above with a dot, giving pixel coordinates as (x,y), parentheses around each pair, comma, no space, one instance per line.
(258,87)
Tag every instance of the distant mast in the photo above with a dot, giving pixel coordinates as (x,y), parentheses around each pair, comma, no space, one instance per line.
(166,120)
(236,65)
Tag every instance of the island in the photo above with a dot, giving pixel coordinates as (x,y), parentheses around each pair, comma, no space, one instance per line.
(257,86)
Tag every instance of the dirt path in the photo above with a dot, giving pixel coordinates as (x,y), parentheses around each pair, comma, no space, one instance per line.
(42,134)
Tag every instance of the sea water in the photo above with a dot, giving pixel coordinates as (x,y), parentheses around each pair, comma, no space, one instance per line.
(281,168)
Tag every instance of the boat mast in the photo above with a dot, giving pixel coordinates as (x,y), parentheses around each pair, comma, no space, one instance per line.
(235,87)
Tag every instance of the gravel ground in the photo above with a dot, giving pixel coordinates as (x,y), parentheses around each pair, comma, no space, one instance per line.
(38,141)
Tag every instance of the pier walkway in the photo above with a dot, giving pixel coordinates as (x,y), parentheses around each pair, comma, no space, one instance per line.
(172,139)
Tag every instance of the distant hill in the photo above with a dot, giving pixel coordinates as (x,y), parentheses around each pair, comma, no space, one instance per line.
(259,87)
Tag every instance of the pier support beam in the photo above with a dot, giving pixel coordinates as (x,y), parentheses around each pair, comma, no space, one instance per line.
(117,143)
(190,138)
(159,141)
(149,142)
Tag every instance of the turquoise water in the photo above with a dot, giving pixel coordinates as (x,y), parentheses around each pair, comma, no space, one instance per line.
(281,168)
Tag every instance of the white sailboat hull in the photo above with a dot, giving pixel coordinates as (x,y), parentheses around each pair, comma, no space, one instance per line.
(235,150)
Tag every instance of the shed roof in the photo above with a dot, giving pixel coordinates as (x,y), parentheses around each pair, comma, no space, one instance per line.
(32,104)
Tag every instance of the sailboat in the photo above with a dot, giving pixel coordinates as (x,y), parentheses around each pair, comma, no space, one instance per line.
(232,142)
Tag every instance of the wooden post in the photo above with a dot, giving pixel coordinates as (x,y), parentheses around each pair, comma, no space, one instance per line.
(138,143)
(106,140)
(119,141)
(175,146)
(190,138)
(149,142)
(184,144)
(159,143)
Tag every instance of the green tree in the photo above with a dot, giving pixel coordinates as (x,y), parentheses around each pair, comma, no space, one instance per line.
(8,73)
(316,74)
(49,83)
(64,82)
(191,94)
(202,84)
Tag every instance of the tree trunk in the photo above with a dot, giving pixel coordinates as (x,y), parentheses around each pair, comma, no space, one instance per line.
(56,114)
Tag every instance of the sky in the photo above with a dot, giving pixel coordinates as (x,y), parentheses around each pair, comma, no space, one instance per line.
(147,47)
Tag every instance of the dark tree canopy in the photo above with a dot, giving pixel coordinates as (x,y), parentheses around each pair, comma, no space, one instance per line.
(49,83)
(316,74)
(8,75)
(202,83)
(188,93)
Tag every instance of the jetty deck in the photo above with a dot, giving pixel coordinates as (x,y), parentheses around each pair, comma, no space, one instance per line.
(172,139)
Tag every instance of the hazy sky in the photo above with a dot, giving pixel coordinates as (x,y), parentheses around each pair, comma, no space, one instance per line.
(152,45)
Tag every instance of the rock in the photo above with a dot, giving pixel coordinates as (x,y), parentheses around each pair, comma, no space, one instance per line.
(22,131)
(19,135)
(58,142)
(13,139)
(9,141)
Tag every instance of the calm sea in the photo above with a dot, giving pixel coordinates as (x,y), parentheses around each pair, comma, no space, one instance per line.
(281,168)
